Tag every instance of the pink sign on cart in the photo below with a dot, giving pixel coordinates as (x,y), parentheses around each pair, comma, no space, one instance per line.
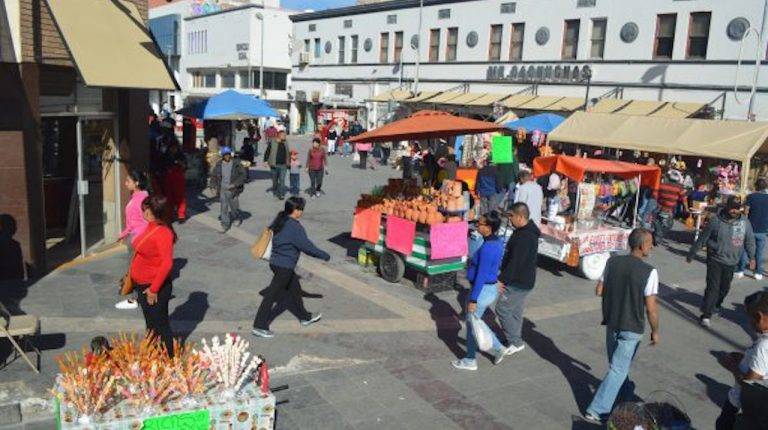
(400,234)
(448,240)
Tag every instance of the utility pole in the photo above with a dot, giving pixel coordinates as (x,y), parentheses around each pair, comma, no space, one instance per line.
(758,61)
(418,49)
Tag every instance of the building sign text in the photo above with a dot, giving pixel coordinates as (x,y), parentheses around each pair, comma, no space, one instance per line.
(539,73)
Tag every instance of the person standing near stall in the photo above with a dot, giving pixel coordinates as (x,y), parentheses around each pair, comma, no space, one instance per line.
(136,182)
(277,157)
(151,268)
(289,240)
(529,192)
(228,178)
(316,167)
(363,148)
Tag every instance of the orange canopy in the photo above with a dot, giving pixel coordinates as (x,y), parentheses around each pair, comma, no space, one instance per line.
(426,124)
(576,167)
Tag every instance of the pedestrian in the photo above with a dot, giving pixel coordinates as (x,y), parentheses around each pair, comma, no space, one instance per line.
(482,274)
(174,181)
(386,150)
(136,183)
(295,173)
(363,148)
(228,178)
(277,157)
(628,287)
(752,365)
(530,192)
(517,276)
(488,186)
(671,194)
(333,135)
(726,235)
(757,212)
(288,240)
(151,268)
(247,153)
(316,167)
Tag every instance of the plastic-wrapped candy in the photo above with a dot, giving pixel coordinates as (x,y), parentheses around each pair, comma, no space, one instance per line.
(536,137)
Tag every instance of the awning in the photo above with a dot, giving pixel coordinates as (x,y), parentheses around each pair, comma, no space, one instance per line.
(566,104)
(488,100)
(545,122)
(539,103)
(576,168)
(609,105)
(426,124)
(393,95)
(641,107)
(421,96)
(444,97)
(110,45)
(517,100)
(678,110)
(464,98)
(230,105)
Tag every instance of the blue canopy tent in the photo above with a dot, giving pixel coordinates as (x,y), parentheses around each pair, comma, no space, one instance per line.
(545,122)
(230,105)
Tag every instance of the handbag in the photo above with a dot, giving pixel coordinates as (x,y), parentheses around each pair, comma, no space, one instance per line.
(127,286)
(356,157)
(262,248)
(482,333)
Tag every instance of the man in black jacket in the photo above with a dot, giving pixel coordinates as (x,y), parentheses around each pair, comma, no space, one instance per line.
(517,277)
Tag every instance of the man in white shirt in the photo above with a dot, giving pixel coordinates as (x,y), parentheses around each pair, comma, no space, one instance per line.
(530,193)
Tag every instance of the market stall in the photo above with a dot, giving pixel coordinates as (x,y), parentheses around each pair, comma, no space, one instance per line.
(587,239)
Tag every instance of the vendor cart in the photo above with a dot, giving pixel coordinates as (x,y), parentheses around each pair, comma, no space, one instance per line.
(586,241)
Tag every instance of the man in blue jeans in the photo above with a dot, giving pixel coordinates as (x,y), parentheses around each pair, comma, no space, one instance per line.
(628,287)
(757,211)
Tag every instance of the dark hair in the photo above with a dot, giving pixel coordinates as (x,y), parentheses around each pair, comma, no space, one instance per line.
(100,344)
(161,210)
(141,179)
(291,205)
(493,220)
(761,184)
(636,238)
(757,302)
(524,176)
(521,208)
(316,140)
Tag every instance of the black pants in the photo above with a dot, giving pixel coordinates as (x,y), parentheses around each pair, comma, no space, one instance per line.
(316,178)
(284,287)
(385,155)
(156,316)
(363,159)
(719,277)
(727,418)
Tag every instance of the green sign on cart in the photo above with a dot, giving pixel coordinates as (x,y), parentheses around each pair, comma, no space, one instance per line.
(501,150)
(197,420)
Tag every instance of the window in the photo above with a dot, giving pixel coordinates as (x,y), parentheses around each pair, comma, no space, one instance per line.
(312,27)
(665,35)
(280,81)
(571,39)
(384,48)
(508,7)
(586,3)
(209,80)
(391,19)
(354,50)
(342,43)
(494,50)
(347,23)
(598,38)
(228,79)
(197,42)
(443,14)
(197,80)
(434,45)
(244,82)
(306,45)
(255,78)
(398,46)
(516,42)
(698,35)
(453,42)
(318,48)
(272,80)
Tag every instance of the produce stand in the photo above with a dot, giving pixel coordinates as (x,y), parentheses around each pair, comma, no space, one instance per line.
(583,240)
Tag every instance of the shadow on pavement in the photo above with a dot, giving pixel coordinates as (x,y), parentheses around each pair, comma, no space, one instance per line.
(346,241)
(44,342)
(192,312)
(178,264)
(716,391)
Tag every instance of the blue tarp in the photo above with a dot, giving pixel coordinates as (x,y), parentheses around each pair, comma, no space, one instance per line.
(545,122)
(230,105)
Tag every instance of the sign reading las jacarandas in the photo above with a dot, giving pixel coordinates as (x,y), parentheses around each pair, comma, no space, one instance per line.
(539,73)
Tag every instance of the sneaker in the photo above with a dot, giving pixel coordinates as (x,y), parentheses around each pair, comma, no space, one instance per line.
(738,275)
(317,194)
(127,304)
(315,318)
(705,322)
(465,364)
(499,355)
(267,334)
(313,196)
(224,229)
(512,349)
(758,277)
(592,418)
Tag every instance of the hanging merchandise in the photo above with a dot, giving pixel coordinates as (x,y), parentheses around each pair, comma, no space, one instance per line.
(536,138)
(587,198)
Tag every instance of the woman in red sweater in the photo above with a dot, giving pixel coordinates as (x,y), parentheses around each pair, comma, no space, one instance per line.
(152,265)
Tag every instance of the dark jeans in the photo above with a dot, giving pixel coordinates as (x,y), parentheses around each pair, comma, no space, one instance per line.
(284,287)
(156,316)
(727,418)
(278,181)
(662,224)
(363,159)
(295,179)
(385,155)
(719,277)
(316,179)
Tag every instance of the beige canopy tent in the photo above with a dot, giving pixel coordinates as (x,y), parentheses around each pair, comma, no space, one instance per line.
(729,140)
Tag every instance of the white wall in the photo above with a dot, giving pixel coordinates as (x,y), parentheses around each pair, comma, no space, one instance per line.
(10,36)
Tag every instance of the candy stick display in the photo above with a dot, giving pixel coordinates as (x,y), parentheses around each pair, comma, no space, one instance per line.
(229,362)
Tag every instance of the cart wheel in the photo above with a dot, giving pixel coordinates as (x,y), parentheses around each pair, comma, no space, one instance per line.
(592,266)
(391,266)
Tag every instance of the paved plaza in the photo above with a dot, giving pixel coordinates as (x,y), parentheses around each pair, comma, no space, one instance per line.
(380,358)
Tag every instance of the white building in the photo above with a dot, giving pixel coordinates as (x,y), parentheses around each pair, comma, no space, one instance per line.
(215,46)
(483,52)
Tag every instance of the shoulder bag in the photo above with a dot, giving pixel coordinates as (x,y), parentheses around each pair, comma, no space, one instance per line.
(262,248)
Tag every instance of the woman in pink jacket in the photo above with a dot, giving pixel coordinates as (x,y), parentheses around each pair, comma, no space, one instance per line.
(135,224)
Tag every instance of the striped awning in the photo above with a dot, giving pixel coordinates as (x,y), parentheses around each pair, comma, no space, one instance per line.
(609,105)
(517,100)
(566,104)
(464,98)
(540,103)
(488,99)
(444,97)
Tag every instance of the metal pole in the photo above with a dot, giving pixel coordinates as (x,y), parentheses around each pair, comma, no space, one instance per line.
(261,62)
(586,96)
(418,50)
(758,60)
(637,202)
(116,173)
(80,195)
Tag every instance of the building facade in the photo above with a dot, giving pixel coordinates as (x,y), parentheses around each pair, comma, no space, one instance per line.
(659,51)
(73,119)
(215,46)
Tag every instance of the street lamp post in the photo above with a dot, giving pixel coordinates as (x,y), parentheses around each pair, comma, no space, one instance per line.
(587,74)
(260,17)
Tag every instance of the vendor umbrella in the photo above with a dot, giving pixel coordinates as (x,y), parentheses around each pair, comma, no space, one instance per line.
(230,105)
(426,124)
(544,122)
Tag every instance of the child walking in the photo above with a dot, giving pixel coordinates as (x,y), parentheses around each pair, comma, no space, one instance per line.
(295,173)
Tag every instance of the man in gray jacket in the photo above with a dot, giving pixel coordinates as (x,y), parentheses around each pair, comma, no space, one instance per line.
(277,157)
(229,176)
(726,235)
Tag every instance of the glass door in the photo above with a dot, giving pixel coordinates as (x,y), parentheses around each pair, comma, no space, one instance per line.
(96,182)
